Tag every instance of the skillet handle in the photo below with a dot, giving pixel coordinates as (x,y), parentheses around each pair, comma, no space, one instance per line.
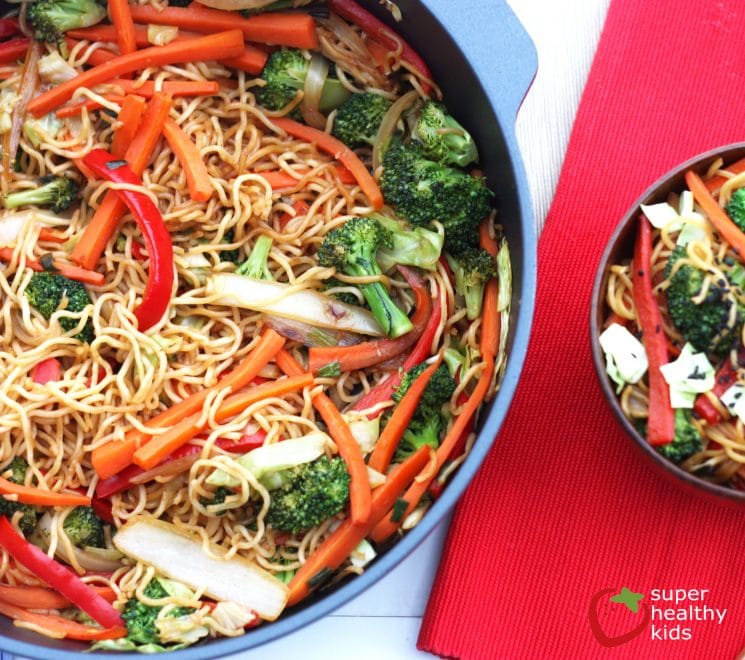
(497,46)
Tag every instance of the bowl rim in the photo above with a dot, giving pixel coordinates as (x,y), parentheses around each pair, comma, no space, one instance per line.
(620,235)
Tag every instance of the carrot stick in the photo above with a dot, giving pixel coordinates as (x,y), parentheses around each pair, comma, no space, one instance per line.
(345,538)
(296,30)
(214,47)
(129,121)
(105,220)
(386,527)
(381,456)
(57,626)
(738,167)
(41,598)
(115,455)
(37,496)
(69,271)
(337,150)
(278,179)
(252,60)
(349,450)
(300,207)
(97,57)
(716,214)
(170,87)
(197,177)
(491,319)
(160,446)
(121,17)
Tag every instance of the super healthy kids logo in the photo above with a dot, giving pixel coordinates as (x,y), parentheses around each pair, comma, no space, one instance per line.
(617,617)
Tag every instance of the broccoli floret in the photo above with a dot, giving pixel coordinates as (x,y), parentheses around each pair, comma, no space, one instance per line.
(218,497)
(284,74)
(140,618)
(310,494)
(351,249)
(84,528)
(410,246)
(343,296)
(50,19)
(422,190)
(687,440)
(46,291)
(256,264)
(358,119)
(442,138)
(472,269)
(426,424)
(705,325)
(232,256)
(57,192)
(736,208)
(15,471)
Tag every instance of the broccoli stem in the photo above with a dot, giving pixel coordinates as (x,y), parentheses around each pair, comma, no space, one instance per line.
(390,318)
(38,196)
(256,264)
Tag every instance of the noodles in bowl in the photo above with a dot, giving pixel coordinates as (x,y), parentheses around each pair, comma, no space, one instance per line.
(675,264)
(254,298)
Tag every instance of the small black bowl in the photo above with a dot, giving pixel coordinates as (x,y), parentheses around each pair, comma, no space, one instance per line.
(620,247)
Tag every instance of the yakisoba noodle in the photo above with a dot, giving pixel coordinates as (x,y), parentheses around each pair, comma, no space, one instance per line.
(114,385)
(707,318)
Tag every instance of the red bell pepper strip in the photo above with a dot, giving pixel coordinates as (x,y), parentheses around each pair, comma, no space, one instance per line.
(46,371)
(726,376)
(376,29)
(61,579)
(102,508)
(9,27)
(661,424)
(370,353)
(157,294)
(123,481)
(12,50)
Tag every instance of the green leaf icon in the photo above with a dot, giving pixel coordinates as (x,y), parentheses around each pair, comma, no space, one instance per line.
(629,598)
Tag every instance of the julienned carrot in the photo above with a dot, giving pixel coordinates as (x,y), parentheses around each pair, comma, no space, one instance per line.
(213,47)
(252,60)
(121,17)
(105,220)
(345,538)
(280,29)
(74,109)
(386,526)
(301,208)
(491,319)
(381,456)
(129,121)
(170,87)
(197,177)
(370,353)
(41,598)
(161,446)
(59,627)
(716,214)
(97,57)
(349,449)
(278,179)
(114,456)
(738,167)
(337,150)
(39,497)
(69,271)
(51,236)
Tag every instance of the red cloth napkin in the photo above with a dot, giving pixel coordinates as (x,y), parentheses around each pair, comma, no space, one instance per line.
(564,506)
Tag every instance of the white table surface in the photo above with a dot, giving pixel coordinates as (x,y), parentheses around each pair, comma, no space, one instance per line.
(384,621)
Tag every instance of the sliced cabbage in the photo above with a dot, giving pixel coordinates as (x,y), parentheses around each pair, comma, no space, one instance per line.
(625,357)
(363,554)
(268,459)
(734,399)
(54,69)
(660,215)
(688,376)
(8,101)
(184,629)
(365,431)
(179,555)
(37,130)
(160,35)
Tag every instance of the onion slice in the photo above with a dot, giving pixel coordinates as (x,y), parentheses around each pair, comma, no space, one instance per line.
(388,126)
(310,335)
(318,71)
